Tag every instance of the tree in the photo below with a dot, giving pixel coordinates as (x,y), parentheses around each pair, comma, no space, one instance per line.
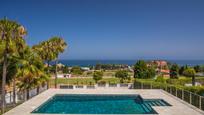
(45,50)
(31,71)
(151,73)
(49,50)
(182,69)
(11,75)
(76,70)
(97,75)
(11,36)
(142,71)
(174,71)
(59,45)
(65,69)
(122,75)
(190,72)
(98,66)
(198,68)
(160,79)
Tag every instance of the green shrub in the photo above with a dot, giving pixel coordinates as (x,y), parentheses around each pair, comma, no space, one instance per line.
(76,70)
(160,79)
(178,81)
(195,89)
(102,82)
(122,75)
(97,75)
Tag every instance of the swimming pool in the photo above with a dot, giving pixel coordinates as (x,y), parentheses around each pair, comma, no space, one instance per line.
(99,104)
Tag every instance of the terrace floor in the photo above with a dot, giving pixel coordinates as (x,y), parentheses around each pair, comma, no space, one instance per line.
(178,107)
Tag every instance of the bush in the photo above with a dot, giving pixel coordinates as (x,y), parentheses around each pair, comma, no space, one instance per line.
(89,73)
(190,72)
(142,71)
(122,75)
(160,79)
(76,70)
(97,75)
(102,82)
(178,81)
(159,82)
(174,71)
(195,89)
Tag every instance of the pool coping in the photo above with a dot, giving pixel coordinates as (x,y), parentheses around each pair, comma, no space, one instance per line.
(178,107)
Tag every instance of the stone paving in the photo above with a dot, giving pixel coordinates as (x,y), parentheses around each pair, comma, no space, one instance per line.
(178,107)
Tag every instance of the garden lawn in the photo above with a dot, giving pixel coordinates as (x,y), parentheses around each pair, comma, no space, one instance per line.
(82,81)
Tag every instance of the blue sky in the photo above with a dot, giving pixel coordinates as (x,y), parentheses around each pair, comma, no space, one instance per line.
(114,29)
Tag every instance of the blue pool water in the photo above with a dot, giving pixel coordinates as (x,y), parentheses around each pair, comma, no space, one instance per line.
(99,104)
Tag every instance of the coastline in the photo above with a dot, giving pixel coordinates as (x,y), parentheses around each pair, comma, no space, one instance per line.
(69,62)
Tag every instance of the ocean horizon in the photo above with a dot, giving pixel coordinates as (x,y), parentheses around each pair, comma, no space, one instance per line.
(127,62)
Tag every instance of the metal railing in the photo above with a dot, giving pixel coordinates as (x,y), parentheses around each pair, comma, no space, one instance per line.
(187,96)
(21,96)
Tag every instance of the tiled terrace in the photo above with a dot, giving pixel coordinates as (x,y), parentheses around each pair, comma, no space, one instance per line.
(178,107)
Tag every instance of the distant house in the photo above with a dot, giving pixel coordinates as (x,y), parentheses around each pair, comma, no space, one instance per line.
(64,75)
(85,68)
(161,67)
(60,65)
(163,72)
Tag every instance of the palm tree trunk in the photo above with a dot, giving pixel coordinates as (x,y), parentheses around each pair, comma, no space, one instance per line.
(3,83)
(38,89)
(193,80)
(14,91)
(55,73)
(48,71)
(27,94)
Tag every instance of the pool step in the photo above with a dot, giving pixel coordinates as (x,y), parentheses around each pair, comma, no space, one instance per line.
(147,107)
(147,104)
(158,102)
(162,103)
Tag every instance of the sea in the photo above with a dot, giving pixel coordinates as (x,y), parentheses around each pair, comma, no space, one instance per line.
(86,63)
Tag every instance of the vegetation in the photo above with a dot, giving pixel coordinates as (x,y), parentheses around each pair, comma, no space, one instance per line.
(76,70)
(151,72)
(22,65)
(31,72)
(160,79)
(195,89)
(190,72)
(97,75)
(122,75)
(199,68)
(182,69)
(65,69)
(109,66)
(50,50)
(142,71)
(11,41)
(174,71)
(84,81)
(59,46)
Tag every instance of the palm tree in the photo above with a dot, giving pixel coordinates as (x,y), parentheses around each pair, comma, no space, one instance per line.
(59,45)
(31,71)
(45,51)
(49,50)
(11,35)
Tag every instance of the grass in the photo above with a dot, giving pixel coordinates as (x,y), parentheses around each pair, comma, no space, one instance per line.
(82,81)
(108,77)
